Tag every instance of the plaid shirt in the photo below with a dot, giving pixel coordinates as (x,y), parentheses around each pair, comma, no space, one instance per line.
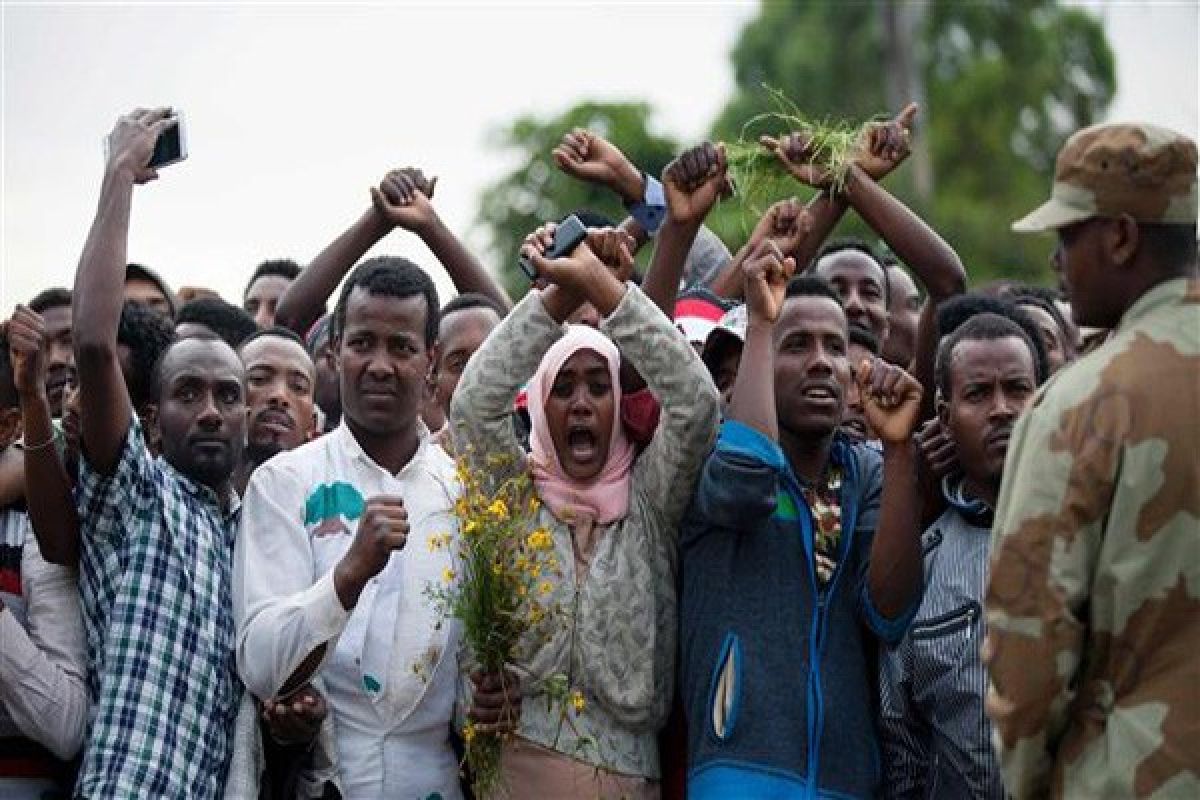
(155,580)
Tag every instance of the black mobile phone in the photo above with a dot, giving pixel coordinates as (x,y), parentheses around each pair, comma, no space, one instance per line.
(567,236)
(171,146)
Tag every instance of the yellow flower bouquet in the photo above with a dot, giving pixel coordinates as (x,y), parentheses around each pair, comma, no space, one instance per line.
(499,587)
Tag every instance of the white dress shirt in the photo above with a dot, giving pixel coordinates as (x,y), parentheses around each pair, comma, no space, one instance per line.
(43,690)
(391,665)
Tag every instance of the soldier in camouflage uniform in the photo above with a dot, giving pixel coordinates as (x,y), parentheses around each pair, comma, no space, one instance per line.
(1093,603)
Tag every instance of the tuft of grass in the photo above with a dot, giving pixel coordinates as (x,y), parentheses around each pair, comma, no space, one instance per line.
(760,178)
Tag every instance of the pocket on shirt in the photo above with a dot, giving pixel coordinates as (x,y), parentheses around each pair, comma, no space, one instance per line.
(942,640)
(725,689)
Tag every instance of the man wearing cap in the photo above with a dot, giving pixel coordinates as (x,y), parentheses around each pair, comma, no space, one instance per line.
(722,351)
(1094,594)
(697,313)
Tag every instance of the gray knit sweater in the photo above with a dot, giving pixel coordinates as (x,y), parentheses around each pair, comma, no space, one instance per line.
(618,642)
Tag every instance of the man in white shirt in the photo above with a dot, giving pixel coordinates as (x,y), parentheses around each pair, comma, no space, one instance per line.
(43,689)
(319,588)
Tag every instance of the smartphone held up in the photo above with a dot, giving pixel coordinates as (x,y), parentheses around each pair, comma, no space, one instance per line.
(567,236)
(171,145)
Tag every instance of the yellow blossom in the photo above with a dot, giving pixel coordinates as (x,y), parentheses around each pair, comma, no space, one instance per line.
(497,569)
(471,526)
(498,509)
(469,732)
(545,587)
(577,701)
(522,563)
(536,614)
(447,575)
(535,570)
(539,540)
(552,563)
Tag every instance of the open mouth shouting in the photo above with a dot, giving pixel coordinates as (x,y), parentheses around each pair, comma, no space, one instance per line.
(583,444)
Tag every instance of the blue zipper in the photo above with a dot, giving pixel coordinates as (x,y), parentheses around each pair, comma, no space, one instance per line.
(816,641)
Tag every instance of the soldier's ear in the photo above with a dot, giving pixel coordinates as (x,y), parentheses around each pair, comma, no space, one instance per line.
(1123,237)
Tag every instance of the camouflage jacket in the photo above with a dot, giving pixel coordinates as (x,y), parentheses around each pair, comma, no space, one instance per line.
(1093,603)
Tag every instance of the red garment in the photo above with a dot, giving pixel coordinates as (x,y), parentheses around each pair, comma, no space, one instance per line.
(639,415)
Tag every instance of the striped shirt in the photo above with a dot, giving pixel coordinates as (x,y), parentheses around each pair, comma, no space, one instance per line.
(935,735)
(156,589)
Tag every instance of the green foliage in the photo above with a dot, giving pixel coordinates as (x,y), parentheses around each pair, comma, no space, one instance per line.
(536,191)
(1005,82)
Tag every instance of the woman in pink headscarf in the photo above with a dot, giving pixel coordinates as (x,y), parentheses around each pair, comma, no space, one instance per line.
(613,514)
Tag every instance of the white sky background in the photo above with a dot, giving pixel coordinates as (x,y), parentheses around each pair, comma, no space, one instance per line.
(294,111)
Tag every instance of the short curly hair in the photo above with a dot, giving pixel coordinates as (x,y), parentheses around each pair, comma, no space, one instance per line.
(147,334)
(955,314)
(389,276)
(226,320)
(55,297)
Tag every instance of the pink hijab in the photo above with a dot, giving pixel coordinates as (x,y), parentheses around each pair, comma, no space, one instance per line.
(605,498)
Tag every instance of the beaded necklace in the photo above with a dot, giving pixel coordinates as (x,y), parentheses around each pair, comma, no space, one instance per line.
(824,501)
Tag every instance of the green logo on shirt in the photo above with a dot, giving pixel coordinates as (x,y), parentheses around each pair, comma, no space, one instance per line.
(329,503)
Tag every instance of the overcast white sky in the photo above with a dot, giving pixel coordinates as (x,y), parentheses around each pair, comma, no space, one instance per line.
(293,111)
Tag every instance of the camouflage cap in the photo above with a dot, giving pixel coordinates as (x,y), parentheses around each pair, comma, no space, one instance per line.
(1107,170)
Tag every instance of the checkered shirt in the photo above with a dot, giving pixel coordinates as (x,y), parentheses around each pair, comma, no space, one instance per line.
(155,580)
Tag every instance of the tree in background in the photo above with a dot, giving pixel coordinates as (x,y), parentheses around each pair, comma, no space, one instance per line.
(536,191)
(1001,85)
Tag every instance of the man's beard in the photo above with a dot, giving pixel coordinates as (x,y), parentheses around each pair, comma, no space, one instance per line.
(257,454)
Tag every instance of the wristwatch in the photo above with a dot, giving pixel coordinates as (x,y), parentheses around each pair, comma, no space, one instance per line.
(651,210)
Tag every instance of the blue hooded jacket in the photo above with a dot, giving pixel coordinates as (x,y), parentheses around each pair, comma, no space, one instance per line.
(777,677)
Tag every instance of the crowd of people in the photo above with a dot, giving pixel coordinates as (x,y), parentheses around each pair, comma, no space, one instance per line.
(831,523)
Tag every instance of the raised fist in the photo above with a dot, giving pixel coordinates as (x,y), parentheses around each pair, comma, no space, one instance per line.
(766,272)
(382,530)
(886,144)
(891,400)
(694,182)
(27,350)
(786,223)
(403,199)
(592,158)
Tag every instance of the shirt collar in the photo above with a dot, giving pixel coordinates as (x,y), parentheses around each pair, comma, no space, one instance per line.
(347,441)
(203,493)
(977,511)
(1166,293)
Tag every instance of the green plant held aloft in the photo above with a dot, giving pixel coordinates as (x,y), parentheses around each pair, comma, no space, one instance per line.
(760,178)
